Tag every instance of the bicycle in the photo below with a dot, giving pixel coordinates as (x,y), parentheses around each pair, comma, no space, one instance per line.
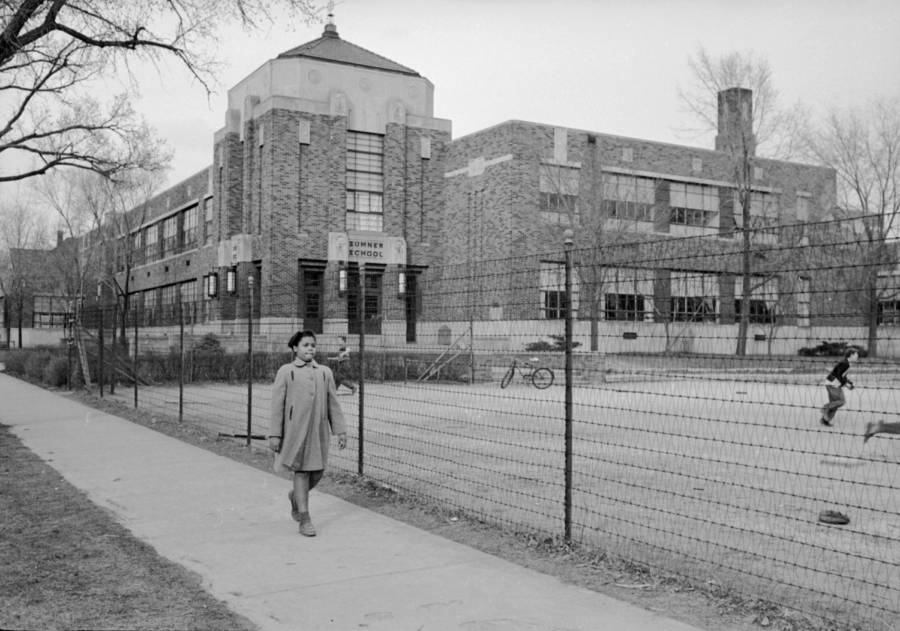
(540,376)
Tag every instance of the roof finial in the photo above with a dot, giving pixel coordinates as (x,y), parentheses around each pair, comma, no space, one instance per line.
(330,28)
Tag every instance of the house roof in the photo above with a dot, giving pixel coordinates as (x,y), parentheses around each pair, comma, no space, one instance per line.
(35,266)
(330,47)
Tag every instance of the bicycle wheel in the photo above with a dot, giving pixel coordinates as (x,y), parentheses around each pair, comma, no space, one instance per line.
(542,378)
(508,376)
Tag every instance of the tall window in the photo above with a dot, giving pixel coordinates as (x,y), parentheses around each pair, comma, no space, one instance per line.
(208,219)
(150,306)
(169,304)
(802,297)
(628,294)
(151,243)
(889,312)
(121,245)
(170,235)
(693,204)
(553,291)
(693,297)
(312,296)
(412,305)
(559,194)
(372,308)
(137,248)
(763,299)
(763,216)
(365,181)
(628,197)
(190,292)
(189,227)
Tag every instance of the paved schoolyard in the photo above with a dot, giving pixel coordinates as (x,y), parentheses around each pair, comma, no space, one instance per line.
(718,475)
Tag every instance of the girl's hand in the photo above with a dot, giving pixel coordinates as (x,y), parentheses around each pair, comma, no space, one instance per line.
(342,441)
(275,443)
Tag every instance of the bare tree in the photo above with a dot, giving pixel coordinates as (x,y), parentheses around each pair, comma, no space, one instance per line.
(606,212)
(862,145)
(728,83)
(52,52)
(72,196)
(121,210)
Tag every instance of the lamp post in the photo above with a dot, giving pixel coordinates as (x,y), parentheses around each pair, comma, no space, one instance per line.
(568,243)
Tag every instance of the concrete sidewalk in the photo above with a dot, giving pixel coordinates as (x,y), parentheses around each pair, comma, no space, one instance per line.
(230,523)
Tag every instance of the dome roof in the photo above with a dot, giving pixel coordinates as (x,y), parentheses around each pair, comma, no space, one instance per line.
(330,47)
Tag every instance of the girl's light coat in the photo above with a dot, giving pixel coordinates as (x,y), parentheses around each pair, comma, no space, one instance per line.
(305,412)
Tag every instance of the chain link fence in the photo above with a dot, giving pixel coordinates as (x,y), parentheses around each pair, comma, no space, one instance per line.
(648,399)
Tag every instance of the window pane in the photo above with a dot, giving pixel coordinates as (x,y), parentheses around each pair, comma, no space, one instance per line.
(370,162)
(368,143)
(365,181)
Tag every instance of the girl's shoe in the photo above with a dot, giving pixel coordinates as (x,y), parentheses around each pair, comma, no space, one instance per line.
(306,528)
(870,431)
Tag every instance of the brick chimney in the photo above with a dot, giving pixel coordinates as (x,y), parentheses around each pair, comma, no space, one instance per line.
(735,120)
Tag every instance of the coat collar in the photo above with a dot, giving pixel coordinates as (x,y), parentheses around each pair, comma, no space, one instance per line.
(300,364)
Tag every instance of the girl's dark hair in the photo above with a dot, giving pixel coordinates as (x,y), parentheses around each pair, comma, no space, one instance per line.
(299,335)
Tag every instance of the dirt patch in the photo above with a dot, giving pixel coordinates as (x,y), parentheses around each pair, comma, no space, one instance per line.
(67,564)
(706,605)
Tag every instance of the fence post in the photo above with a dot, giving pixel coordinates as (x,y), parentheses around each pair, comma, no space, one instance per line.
(69,344)
(115,348)
(250,360)
(180,360)
(568,243)
(134,361)
(361,316)
(100,339)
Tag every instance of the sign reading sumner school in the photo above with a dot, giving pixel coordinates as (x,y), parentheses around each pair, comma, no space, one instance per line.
(365,247)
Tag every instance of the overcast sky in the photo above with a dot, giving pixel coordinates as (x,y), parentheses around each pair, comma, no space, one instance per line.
(611,66)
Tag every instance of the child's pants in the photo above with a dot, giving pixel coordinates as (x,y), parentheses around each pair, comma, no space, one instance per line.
(835,400)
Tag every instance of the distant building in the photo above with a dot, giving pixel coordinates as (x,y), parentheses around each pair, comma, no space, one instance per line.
(34,308)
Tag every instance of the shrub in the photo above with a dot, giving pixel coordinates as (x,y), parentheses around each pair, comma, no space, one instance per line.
(56,372)
(830,349)
(14,361)
(209,343)
(34,364)
(558,344)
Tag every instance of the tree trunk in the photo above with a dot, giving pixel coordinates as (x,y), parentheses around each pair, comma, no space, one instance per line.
(744,321)
(872,315)
(82,356)
(21,311)
(595,325)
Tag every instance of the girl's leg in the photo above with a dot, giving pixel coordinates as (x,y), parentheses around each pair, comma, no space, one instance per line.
(301,493)
(881,427)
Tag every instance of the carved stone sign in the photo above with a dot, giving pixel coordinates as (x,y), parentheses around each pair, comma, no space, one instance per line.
(366,247)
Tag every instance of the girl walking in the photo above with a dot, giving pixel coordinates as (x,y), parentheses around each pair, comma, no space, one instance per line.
(305,412)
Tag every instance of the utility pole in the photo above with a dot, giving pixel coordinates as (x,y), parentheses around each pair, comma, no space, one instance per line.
(250,361)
